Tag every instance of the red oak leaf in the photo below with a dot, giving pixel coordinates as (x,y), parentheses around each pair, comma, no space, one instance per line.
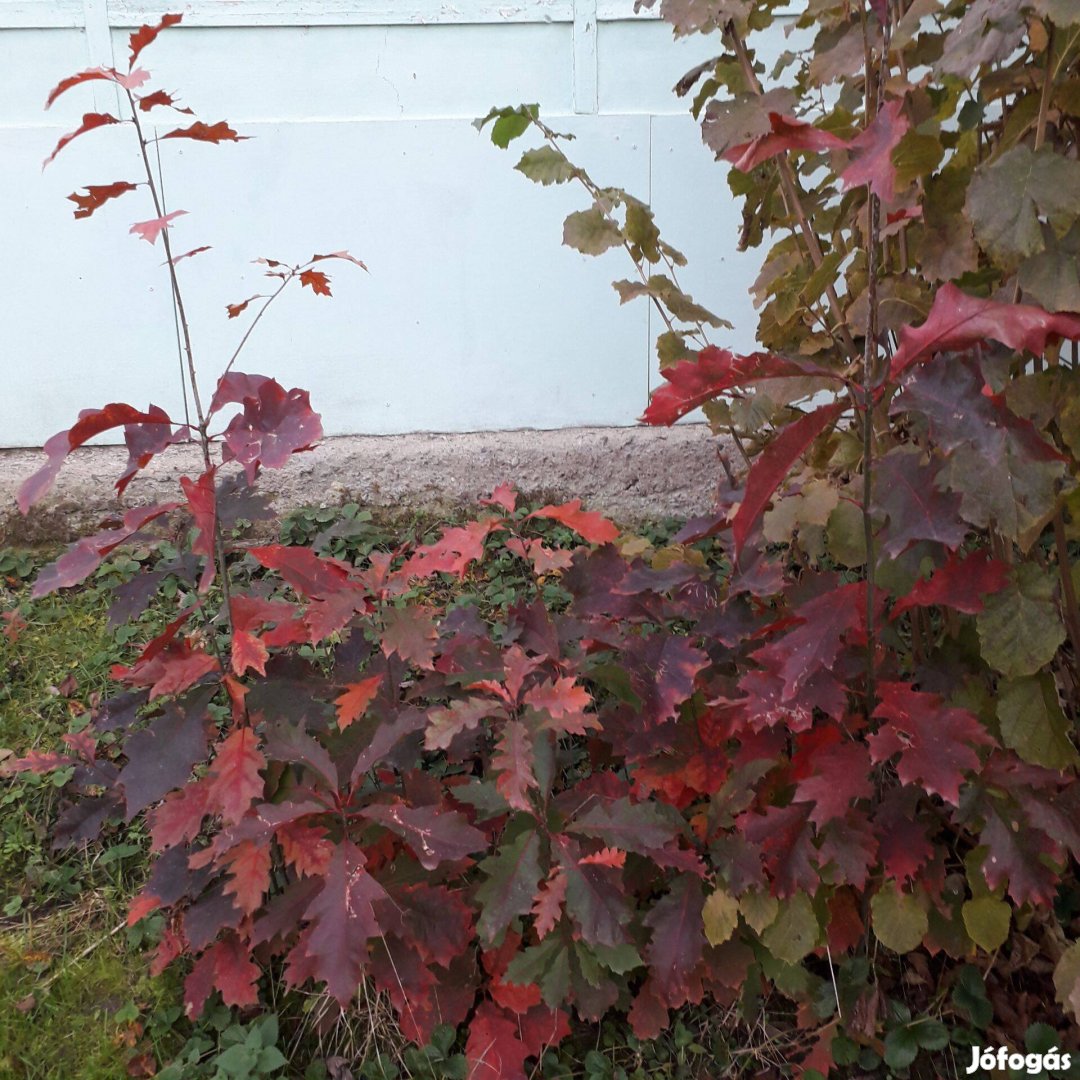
(434,835)
(548,903)
(1019,855)
(935,743)
(202,504)
(453,551)
(174,669)
(179,818)
(89,122)
(316,281)
(462,714)
(957,322)
(840,775)
(411,633)
(357,697)
(129,82)
(960,584)
(97,195)
(504,496)
(214,133)
(234,776)
(512,762)
(339,255)
(774,463)
(225,966)
(306,572)
(160,97)
(545,560)
(91,422)
(678,940)
(608,856)
(334,947)
(248,652)
(691,383)
(565,703)
(189,254)
(499,1042)
(308,848)
(248,866)
(663,669)
(274,425)
(787,134)
(151,230)
(872,152)
(592,527)
(86,555)
(145,35)
(906,491)
(235,310)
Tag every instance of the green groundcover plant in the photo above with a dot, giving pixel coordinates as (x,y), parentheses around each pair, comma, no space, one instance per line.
(839,770)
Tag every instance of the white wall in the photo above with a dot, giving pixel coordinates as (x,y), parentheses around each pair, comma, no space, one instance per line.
(473,317)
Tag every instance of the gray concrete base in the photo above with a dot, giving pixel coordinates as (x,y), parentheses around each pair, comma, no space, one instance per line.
(632,474)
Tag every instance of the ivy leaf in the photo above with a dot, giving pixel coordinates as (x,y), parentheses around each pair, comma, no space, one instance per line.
(935,743)
(961,584)
(1020,629)
(434,835)
(899,921)
(334,947)
(591,232)
(513,875)
(1033,723)
(774,463)
(1008,197)
(872,149)
(546,166)
(958,322)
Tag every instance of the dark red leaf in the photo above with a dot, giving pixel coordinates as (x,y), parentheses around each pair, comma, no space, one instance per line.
(352,704)
(146,440)
(234,776)
(202,504)
(434,835)
(309,574)
(905,490)
(86,555)
(838,774)
(872,149)
(97,195)
(89,122)
(334,947)
(935,743)
(960,584)
(453,551)
(774,463)
(411,633)
(958,322)
(225,966)
(160,97)
(274,425)
(131,81)
(678,940)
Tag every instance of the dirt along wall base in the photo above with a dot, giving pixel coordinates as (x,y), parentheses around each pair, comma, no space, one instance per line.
(631,474)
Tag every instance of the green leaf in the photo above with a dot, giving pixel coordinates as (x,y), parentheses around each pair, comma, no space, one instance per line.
(969,995)
(901,1048)
(1007,198)
(1060,12)
(641,231)
(795,931)
(546,165)
(1033,723)
(1067,979)
(513,876)
(759,909)
(1020,628)
(931,1034)
(546,965)
(591,232)
(721,915)
(899,921)
(987,921)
